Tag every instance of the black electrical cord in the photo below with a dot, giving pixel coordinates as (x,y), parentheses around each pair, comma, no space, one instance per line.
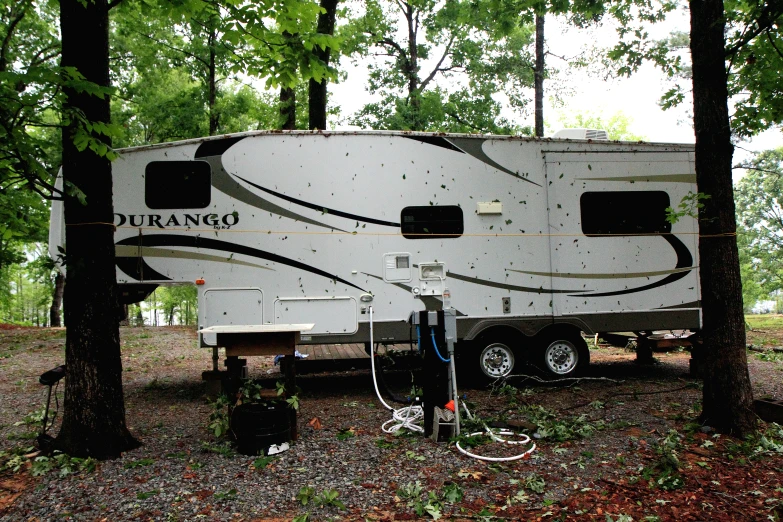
(394,397)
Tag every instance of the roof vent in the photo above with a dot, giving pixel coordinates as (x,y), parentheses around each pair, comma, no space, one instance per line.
(581,134)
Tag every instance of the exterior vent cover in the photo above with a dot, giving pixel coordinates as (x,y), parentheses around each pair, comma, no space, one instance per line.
(582,134)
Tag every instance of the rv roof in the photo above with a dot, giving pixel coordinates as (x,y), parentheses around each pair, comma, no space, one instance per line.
(360,133)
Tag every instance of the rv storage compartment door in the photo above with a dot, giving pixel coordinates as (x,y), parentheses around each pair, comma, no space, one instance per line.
(232,306)
(331,315)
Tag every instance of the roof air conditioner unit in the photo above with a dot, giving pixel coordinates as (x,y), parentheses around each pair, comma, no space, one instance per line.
(581,134)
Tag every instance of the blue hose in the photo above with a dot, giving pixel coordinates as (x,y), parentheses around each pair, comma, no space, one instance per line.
(418,337)
(435,345)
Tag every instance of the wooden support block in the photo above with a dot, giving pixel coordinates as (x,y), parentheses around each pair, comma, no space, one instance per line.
(769,410)
(277,343)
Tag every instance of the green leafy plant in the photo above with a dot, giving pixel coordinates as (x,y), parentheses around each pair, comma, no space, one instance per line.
(262,462)
(561,429)
(452,493)
(218,418)
(305,495)
(139,463)
(345,434)
(535,483)
(221,448)
(147,494)
(231,493)
(67,465)
(329,497)
(665,472)
(413,456)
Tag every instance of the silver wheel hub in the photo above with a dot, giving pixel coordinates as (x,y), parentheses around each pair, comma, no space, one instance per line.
(561,357)
(497,360)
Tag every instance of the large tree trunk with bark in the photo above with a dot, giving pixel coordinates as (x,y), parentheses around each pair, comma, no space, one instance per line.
(539,76)
(94,408)
(728,395)
(318,90)
(57,300)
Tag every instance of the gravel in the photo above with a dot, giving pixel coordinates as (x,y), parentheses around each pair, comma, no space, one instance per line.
(182,473)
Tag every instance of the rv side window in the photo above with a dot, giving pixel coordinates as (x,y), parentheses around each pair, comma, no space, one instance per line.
(432,222)
(177,184)
(625,213)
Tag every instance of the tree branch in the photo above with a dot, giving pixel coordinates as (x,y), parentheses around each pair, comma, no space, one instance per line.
(432,74)
(772,43)
(768,16)
(9,34)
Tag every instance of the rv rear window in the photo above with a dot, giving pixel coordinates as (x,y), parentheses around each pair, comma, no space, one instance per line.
(178,184)
(432,222)
(625,213)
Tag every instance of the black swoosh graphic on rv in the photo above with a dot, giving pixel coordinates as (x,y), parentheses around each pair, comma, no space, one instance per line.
(138,269)
(321,208)
(437,141)
(505,286)
(684,260)
(211,151)
(470,146)
(217,244)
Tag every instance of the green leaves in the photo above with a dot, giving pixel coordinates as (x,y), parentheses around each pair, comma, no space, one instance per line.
(759,200)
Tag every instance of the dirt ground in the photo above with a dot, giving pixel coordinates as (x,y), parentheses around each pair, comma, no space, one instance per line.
(620,446)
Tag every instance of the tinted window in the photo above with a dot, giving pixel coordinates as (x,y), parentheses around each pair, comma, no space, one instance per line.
(178,184)
(625,213)
(431,222)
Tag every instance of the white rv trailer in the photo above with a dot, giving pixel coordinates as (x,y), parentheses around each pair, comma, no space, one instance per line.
(534,240)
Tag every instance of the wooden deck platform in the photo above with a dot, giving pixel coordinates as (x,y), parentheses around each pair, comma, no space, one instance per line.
(338,357)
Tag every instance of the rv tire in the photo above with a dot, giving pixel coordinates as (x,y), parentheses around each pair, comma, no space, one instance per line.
(491,359)
(564,355)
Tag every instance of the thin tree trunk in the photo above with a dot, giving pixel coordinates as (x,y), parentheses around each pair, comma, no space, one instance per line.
(412,70)
(287,102)
(57,300)
(213,115)
(539,76)
(317,91)
(727,392)
(94,407)
(287,108)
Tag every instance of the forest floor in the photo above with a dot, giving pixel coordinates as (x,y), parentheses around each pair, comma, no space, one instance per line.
(623,446)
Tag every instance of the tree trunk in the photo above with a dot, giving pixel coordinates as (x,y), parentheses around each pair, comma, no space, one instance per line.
(411,66)
(318,90)
(727,392)
(287,108)
(94,407)
(213,115)
(287,101)
(57,300)
(539,76)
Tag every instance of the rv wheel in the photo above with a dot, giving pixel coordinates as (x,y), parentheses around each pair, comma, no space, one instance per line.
(565,356)
(492,360)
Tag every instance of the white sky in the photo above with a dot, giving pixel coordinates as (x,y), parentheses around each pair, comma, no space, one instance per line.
(637,97)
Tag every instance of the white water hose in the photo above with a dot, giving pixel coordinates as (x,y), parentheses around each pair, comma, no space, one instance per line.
(523,439)
(407,417)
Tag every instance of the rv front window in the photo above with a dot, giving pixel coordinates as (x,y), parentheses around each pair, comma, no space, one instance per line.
(432,222)
(177,184)
(625,213)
